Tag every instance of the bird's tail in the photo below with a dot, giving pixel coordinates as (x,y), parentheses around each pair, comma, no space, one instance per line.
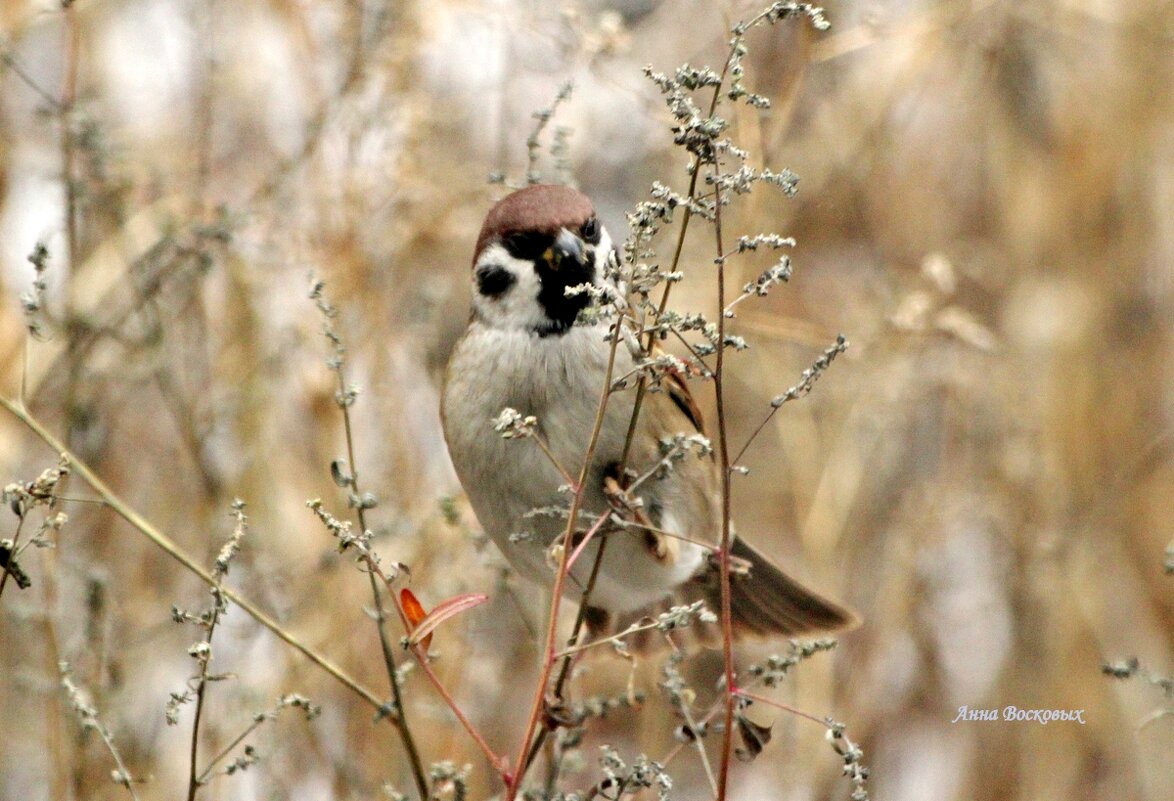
(765,601)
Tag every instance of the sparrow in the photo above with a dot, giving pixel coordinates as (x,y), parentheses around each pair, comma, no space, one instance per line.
(527,349)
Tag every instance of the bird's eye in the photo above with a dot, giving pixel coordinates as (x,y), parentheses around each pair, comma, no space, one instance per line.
(493,279)
(528,245)
(590,231)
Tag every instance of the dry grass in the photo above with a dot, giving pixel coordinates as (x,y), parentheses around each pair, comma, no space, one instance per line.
(986,211)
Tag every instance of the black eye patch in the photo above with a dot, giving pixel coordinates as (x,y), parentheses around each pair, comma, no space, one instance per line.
(527,245)
(590,231)
(493,279)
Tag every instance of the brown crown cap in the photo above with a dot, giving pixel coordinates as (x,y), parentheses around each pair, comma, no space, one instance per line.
(540,207)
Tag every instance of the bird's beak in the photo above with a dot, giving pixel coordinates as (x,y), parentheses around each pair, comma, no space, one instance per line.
(566,247)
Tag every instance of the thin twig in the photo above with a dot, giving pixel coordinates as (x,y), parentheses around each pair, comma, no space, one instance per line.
(345,397)
(371,565)
(10,61)
(660,532)
(635,628)
(806,381)
(727,621)
(694,172)
(399,719)
(88,716)
(194,781)
(565,670)
(692,350)
(642,386)
(554,461)
(702,754)
(762,699)
(203,653)
(168,546)
(498,762)
(228,749)
(563,569)
(596,527)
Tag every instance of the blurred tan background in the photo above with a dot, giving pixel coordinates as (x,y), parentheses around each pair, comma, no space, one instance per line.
(986,211)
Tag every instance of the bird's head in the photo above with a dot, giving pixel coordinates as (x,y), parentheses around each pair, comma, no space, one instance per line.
(534,244)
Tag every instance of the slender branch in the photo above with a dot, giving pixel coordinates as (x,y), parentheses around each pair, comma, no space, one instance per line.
(563,569)
(664,463)
(228,749)
(692,350)
(499,763)
(637,404)
(88,717)
(581,617)
(806,381)
(682,706)
(762,699)
(399,719)
(345,397)
(635,628)
(727,622)
(554,461)
(642,387)
(702,754)
(10,61)
(716,709)
(712,712)
(635,524)
(694,172)
(194,781)
(168,546)
(565,670)
(596,527)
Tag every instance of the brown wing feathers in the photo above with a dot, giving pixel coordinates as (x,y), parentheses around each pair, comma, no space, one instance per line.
(764,600)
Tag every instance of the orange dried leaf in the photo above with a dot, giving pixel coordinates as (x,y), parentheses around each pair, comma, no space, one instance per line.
(412,607)
(415,612)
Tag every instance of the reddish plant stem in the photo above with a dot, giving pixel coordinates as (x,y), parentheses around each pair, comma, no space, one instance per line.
(565,670)
(591,532)
(500,764)
(550,649)
(762,699)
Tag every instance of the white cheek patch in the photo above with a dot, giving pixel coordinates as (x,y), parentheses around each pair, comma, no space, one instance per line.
(517,306)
